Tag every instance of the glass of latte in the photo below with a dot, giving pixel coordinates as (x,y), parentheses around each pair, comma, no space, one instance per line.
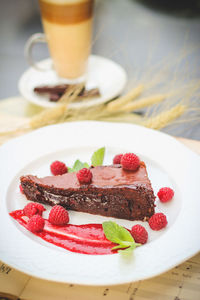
(68,29)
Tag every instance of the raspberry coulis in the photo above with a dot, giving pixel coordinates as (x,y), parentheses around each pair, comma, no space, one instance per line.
(85,239)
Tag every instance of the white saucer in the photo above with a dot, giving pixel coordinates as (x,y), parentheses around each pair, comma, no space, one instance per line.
(103,73)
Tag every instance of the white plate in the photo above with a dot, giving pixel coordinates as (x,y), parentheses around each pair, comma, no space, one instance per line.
(103,73)
(169,163)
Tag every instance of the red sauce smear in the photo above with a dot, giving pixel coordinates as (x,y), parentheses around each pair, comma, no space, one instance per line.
(85,239)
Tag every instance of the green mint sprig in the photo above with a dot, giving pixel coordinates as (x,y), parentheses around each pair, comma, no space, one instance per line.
(96,160)
(78,165)
(119,235)
(98,157)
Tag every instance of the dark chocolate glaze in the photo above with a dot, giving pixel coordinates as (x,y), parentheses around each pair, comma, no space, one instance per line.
(113,192)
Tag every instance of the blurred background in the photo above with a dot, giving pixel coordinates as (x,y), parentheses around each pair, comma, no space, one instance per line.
(149,38)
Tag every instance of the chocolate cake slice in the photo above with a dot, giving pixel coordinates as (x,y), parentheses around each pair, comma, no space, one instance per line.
(113,192)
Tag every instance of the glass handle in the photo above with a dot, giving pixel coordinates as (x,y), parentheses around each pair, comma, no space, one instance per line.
(34,39)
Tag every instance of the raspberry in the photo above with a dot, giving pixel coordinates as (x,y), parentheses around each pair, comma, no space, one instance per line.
(117,159)
(58,215)
(21,189)
(84,175)
(130,161)
(35,223)
(158,221)
(165,194)
(58,168)
(32,209)
(139,234)
(40,208)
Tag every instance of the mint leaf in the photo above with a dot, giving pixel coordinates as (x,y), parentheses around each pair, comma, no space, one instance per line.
(116,233)
(78,165)
(119,235)
(120,247)
(96,160)
(125,235)
(128,250)
(86,165)
(98,157)
(111,230)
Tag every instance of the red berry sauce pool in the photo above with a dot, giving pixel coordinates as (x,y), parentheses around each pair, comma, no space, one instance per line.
(85,239)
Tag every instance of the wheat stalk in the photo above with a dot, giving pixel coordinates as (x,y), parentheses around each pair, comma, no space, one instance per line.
(60,111)
(144,102)
(48,116)
(131,95)
(122,117)
(71,93)
(165,118)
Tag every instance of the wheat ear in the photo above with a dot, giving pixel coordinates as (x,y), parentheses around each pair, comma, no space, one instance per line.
(71,93)
(144,102)
(121,117)
(116,104)
(48,116)
(165,118)
(52,115)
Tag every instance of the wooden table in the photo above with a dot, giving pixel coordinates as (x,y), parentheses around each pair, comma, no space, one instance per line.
(180,283)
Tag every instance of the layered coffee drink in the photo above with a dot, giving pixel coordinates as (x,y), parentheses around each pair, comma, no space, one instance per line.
(68,28)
